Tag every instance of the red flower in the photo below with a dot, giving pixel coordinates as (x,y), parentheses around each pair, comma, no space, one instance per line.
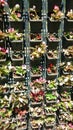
(41,93)
(51,65)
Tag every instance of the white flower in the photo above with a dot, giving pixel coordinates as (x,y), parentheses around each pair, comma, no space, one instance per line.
(39,49)
(66,79)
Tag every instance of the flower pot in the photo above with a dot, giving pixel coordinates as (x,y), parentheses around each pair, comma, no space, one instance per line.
(17,45)
(58,21)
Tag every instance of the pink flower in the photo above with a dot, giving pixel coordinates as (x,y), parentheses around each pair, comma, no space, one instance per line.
(56,7)
(11,30)
(2,2)
(19,15)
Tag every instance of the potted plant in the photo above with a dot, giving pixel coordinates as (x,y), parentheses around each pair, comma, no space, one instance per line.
(15,13)
(37,51)
(21,124)
(65,106)
(65,117)
(36,98)
(3,54)
(2,35)
(37,92)
(36,70)
(12,125)
(4,88)
(68,68)
(51,69)
(38,83)
(51,85)
(35,36)
(20,113)
(18,87)
(5,113)
(18,100)
(68,53)
(64,126)
(5,124)
(57,14)
(36,123)
(51,97)
(52,54)
(14,34)
(69,14)
(35,112)
(65,96)
(4,7)
(50,110)
(49,121)
(17,56)
(65,81)
(53,37)
(4,71)
(33,13)
(19,71)
(68,36)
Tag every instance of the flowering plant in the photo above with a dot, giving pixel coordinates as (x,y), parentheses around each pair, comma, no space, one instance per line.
(53,37)
(65,80)
(4,8)
(38,50)
(14,34)
(51,69)
(65,117)
(37,92)
(52,54)
(70,14)
(4,88)
(38,82)
(51,84)
(57,14)
(36,70)
(65,106)
(36,123)
(3,53)
(35,36)
(21,123)
(18,100)
(68,67)
(65,96)
(2,35)
(5,113)
(15,14)
(68,52)
(68,126)
(35,111)
(33,13)
(50,120)
(19,70)
(20,112)
(51,109)
(18,86)
(37,96)
(4,70)
(49,96)
(68,35)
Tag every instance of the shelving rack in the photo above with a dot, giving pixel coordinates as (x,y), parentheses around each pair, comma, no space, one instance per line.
(28,104)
